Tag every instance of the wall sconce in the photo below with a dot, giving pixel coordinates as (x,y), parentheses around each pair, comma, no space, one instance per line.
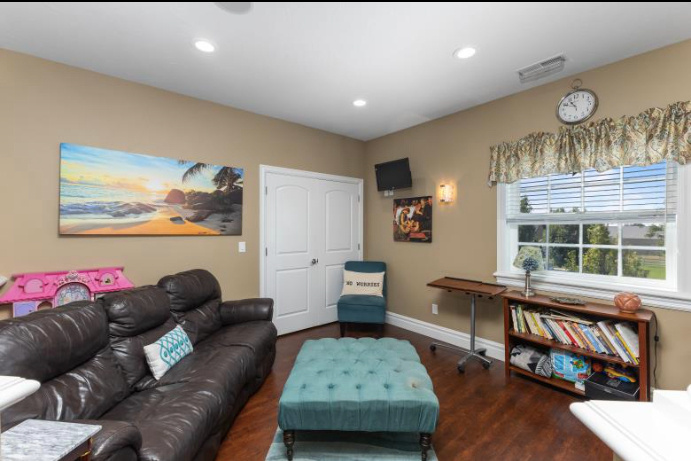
(446,193)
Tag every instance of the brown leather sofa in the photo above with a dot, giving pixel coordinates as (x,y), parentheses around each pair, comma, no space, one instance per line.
(89,358)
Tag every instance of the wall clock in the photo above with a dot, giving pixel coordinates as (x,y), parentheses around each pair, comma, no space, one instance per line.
(577,106)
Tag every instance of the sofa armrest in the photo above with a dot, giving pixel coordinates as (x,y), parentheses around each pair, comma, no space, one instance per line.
(116,441)
(247,310)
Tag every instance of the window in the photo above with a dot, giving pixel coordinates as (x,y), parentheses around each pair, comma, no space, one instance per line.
(618,226)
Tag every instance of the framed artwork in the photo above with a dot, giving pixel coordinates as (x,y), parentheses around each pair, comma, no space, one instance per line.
(109,192)
(412,219)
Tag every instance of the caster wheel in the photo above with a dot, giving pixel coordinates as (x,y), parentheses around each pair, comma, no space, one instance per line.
(461,369)
(432,347)
(486,365)
(482,353)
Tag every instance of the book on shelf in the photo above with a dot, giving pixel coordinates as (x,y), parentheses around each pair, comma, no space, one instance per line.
(601,340)
(609,332)
(630,337)
(606,337)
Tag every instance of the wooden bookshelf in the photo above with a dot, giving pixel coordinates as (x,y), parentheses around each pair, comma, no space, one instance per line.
(560,383)
(596,312)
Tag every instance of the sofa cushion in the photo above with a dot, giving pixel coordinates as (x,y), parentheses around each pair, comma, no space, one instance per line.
(223,370)
(85,392)
(137,318)
(177,413)
(48,343)
(173,420)
(67,349)
(259,337)
(136,311)
(195,297)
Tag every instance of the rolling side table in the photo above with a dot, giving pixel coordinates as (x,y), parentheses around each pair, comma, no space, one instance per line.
(475,289)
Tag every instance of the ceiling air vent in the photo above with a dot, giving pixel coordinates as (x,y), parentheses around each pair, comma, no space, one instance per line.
(542,69)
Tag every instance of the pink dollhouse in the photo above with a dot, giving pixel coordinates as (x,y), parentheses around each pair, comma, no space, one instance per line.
(43,290)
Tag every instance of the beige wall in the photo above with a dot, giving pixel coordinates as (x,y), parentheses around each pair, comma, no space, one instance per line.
(43,103)
(456,148)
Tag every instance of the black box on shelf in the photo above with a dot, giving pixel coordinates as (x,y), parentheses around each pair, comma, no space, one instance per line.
(599,386)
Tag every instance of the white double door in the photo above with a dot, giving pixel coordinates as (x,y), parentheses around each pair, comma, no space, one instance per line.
(312,226)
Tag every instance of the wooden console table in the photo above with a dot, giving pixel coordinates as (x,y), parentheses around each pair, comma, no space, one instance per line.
(475,289)
(592,311)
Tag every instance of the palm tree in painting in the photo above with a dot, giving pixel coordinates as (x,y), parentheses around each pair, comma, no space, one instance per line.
(225,179)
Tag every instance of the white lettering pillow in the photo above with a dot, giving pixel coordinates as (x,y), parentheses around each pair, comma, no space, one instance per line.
(363,283)
(168,350)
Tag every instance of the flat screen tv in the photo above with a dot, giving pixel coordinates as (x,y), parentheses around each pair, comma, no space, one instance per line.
(394,175)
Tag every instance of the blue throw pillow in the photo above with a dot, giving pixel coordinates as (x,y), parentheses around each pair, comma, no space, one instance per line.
(168,350)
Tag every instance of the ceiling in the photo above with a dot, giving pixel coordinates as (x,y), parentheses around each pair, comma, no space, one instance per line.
(307,62)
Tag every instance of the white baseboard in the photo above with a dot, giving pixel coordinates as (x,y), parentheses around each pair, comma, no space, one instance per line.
(447,335)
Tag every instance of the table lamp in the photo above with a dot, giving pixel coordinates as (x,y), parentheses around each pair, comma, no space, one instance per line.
(530,260)
(14,389)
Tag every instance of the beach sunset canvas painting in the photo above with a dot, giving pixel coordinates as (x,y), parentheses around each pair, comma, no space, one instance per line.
(109,192)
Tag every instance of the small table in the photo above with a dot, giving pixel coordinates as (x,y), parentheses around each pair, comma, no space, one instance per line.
(475,289)
(38,440)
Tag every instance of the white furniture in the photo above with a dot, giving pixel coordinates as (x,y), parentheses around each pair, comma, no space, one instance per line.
(13,389)
(642,431)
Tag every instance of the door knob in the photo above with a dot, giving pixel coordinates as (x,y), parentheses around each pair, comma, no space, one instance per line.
(314,261)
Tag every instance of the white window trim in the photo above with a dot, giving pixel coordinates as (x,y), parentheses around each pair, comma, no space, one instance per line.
(677,299)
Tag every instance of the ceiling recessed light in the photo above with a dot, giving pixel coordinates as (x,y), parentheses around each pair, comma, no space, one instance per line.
(359,103)
(204,46)
(464,53)
(235,7)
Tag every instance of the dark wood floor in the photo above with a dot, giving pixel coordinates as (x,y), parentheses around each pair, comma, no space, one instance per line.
(481,416)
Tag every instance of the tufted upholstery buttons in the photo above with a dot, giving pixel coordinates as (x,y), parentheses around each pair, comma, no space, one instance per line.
(335,380)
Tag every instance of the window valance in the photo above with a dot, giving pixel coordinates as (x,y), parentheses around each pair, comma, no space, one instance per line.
(645,139)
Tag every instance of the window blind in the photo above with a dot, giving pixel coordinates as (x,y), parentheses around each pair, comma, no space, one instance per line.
(621,194)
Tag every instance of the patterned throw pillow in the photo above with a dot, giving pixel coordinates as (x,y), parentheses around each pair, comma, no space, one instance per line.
(168,350)
(363,283)
(530,359)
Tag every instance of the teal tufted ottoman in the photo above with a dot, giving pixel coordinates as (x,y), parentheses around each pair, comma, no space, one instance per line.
(369,385)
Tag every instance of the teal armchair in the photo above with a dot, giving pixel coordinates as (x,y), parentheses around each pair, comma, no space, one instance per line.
(362,308)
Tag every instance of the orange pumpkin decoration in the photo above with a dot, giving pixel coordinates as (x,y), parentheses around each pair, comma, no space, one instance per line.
(627,302)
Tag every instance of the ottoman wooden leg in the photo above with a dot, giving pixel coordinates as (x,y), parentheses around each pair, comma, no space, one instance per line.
(425,444)
(289,441)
